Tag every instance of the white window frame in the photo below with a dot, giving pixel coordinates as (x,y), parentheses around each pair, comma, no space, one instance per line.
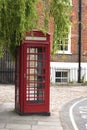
(61,78)
(71,2)
(69,45)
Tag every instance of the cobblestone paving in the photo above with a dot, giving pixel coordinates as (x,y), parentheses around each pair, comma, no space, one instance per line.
(7,93)
(63,94)
(59,96)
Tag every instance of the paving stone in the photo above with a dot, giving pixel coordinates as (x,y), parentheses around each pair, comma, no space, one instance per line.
(2,125)
(48,123)
(4,129)
(59,96)
(18,126)
(46,128)
(20,129)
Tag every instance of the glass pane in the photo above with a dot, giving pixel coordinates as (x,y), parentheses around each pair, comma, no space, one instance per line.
(40,56)
(31,85)
(64,74)
(39,86)
(39,78)
(28,50)
(58,80)
(61,48)
(64,80)
(44,49)
(44,57)
(31,78)
(33,57)
(35,71)
(28,57)
(39,64)
(40,93)
(65,46)
(33,64)
(39,71)
(33,50)
(39,49)
(28,71)
(35,77)
(32,71)
(58,74)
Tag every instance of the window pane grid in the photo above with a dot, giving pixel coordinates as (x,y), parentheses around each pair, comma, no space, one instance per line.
(63,46)
(61,76)
(35,75)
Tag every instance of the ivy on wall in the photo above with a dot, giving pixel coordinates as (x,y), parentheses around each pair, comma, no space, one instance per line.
(61,11)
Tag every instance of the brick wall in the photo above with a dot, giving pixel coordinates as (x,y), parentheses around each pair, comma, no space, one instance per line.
(41,23)
(74,31)
(84,27)
(73,57)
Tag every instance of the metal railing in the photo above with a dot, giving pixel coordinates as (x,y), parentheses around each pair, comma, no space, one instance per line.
(7,69)
(7,72)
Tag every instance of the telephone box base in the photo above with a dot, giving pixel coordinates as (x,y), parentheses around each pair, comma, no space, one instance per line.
(36,113)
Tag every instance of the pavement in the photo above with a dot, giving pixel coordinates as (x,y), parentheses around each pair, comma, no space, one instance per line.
(60,95)
(10,120)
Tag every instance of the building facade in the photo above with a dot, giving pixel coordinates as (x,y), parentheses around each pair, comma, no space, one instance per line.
(66,63)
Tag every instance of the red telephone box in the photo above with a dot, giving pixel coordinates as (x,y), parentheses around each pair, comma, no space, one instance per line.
(32,86)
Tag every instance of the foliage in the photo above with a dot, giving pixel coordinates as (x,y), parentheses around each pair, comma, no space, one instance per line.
(61,11)
(19,16)
(16,17)
(83,78)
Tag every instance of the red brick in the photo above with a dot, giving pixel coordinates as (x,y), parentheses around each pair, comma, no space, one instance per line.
(74,32)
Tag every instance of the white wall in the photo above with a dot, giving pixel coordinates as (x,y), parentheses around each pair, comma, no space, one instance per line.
(71,67)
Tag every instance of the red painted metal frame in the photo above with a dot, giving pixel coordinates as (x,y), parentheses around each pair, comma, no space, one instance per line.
(21,106)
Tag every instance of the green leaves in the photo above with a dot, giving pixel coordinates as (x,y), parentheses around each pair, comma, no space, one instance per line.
(19,16)
(61,11)
(16,17)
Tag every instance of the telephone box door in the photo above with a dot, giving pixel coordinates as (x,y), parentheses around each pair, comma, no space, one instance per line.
(36,77)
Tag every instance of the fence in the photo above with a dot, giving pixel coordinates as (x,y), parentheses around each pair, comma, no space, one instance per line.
(7,69)
(58,74)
